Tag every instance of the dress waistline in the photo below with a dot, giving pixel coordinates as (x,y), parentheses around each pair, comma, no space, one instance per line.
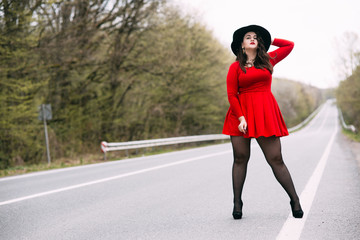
(253,91)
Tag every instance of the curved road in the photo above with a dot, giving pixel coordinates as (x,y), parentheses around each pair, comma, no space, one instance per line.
(188,194)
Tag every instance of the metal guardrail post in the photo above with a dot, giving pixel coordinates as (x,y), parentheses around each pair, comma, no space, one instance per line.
(103,148)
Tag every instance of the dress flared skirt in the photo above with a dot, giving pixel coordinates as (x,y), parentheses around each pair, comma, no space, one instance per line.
(262,114)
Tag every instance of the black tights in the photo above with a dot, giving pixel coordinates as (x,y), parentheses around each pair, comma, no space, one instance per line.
(271,147)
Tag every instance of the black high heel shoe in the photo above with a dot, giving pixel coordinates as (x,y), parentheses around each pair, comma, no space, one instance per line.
(296,213)
(237,214)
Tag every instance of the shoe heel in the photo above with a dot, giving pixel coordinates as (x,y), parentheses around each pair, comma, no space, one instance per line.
(237,214)
(296,213)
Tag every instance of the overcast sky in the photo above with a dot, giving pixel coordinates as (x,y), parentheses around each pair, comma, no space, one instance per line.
(314,26)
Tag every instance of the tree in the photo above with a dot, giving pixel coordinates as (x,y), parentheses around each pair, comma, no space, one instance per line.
(348,54)
(18,84)
(348,91)
(348,98)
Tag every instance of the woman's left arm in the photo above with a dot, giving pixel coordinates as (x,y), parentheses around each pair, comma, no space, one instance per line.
(285,47)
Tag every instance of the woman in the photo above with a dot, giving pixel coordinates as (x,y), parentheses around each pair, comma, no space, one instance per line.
(254,112)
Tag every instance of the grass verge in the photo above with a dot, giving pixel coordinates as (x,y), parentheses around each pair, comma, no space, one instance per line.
(351,135)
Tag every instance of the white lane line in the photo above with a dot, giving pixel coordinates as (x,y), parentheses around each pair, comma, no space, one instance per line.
(111,178)
(324,120)
(293,227)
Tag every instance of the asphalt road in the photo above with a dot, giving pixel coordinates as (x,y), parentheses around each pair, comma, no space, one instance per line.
(188,194)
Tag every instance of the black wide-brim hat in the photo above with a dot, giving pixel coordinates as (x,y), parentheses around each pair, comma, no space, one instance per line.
(239,34)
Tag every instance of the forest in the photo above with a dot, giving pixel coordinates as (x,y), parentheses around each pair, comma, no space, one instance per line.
(117,70)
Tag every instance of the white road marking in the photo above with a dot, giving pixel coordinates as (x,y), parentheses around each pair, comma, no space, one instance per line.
(111,178)
(293,227)
(323,122)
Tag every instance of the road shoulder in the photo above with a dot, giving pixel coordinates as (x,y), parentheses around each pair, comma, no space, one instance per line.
(355,148)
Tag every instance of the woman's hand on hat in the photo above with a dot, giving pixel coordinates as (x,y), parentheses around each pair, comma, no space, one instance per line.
(243,125)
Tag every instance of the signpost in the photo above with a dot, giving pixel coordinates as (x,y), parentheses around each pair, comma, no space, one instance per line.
(46,114)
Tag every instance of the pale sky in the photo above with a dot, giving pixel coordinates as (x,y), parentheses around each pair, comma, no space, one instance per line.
(313,25)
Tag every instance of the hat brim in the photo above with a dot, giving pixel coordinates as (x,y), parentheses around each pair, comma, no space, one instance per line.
(239,34)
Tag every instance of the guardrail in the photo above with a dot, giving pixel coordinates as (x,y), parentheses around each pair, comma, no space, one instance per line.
(117,146)
(348,127)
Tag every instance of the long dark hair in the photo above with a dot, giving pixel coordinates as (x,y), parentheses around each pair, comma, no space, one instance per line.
(262,59)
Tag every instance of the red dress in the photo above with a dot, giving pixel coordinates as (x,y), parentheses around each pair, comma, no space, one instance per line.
(250,96)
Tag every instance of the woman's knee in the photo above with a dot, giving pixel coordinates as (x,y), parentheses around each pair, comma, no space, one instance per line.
(241,149)
(275,160)
(241,158)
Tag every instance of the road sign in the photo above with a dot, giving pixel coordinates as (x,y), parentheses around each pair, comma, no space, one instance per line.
(45,111)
